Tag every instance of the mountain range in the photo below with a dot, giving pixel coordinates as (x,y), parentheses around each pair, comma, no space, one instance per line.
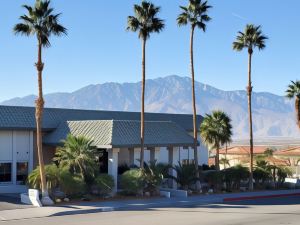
(273,115)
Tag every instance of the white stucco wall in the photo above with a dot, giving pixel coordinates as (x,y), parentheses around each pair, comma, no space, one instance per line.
(15,146)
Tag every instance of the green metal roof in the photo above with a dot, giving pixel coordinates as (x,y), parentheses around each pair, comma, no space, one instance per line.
(17,117)
(122,133)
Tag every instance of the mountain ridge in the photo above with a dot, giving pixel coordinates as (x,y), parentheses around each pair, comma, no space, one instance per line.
(273,115)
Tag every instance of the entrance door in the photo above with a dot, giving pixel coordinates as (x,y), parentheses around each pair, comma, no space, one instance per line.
(103,161)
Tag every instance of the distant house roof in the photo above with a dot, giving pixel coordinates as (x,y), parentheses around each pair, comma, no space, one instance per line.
(17,117)
(277,162)
(122,133)
(294,151)
(243,150)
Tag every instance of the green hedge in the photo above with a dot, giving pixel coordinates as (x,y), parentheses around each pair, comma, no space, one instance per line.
(132,182)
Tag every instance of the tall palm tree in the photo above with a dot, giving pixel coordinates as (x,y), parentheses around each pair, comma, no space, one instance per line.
(194,14)
(145,22)
(215,131)
(293,91)
(41,23)
(250,39)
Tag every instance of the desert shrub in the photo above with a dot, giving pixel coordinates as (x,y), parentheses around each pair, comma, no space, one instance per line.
(70,184)
(261,175)
(132,182)
(186,175)
(213,178)
(282,173)
(205,167)
(105,184)
(154,174)
(235,175)
(52,178)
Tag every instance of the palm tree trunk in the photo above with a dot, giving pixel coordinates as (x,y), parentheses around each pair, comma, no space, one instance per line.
(225,157)
(194,102)
(38,116)
(218,158)
(143,103)
(297,110)
(249,92)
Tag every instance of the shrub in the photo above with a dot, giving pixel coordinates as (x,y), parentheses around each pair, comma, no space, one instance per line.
(234,175)
(154,174)
(282,173)
(186,175)
(52,178)
(70,184)
(105,184)
(213,178)
(79,155)
(261,175)
(132,182)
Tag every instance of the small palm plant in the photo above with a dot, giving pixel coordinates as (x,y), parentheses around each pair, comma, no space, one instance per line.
(195,14)
(215,131)
(186,175)
(78,155)
(154,174)
(41,23)
(145,22)
(225,162)
(293,91)
(250,39)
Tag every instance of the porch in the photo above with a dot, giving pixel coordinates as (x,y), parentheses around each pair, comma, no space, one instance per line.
(165,142)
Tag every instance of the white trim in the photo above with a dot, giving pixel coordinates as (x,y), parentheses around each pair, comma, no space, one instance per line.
(30,162)
(14,162)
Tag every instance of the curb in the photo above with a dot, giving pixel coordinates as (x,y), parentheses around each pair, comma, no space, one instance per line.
(259,197)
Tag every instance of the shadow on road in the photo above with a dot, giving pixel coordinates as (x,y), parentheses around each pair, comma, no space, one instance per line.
(229,205)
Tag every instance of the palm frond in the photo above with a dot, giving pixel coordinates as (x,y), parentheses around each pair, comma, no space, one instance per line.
(145,20)
(40,21)
(195,13)
(251,38)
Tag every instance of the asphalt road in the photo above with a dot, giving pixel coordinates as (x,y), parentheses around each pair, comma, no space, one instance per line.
(11,201)
(259,212)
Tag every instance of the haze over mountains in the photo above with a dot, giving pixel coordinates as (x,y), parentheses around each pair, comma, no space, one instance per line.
(273,115)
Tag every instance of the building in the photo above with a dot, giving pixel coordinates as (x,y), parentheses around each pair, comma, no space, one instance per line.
(239,154)
(117,134)
(236,155)
(292,156)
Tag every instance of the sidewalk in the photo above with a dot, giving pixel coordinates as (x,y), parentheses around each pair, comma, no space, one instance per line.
(96,207)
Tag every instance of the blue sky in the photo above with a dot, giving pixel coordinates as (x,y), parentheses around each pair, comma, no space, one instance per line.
(98,49)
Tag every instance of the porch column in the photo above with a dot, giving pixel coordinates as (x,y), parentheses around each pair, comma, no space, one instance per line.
(154,154)
(113,155)
(134,156)
(173,160)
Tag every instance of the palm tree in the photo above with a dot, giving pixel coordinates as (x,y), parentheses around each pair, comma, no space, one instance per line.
(225,162)
(42,23)
(78,155)
(194,14)
(293,91)
(250,39)
(215,131)
(144,22)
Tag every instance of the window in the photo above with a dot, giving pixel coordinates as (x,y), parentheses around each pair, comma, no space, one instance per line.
(5,172)
(22,172)
(187,162)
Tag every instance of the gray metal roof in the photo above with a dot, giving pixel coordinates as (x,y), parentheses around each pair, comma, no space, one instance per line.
(122,133)
(17,117)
